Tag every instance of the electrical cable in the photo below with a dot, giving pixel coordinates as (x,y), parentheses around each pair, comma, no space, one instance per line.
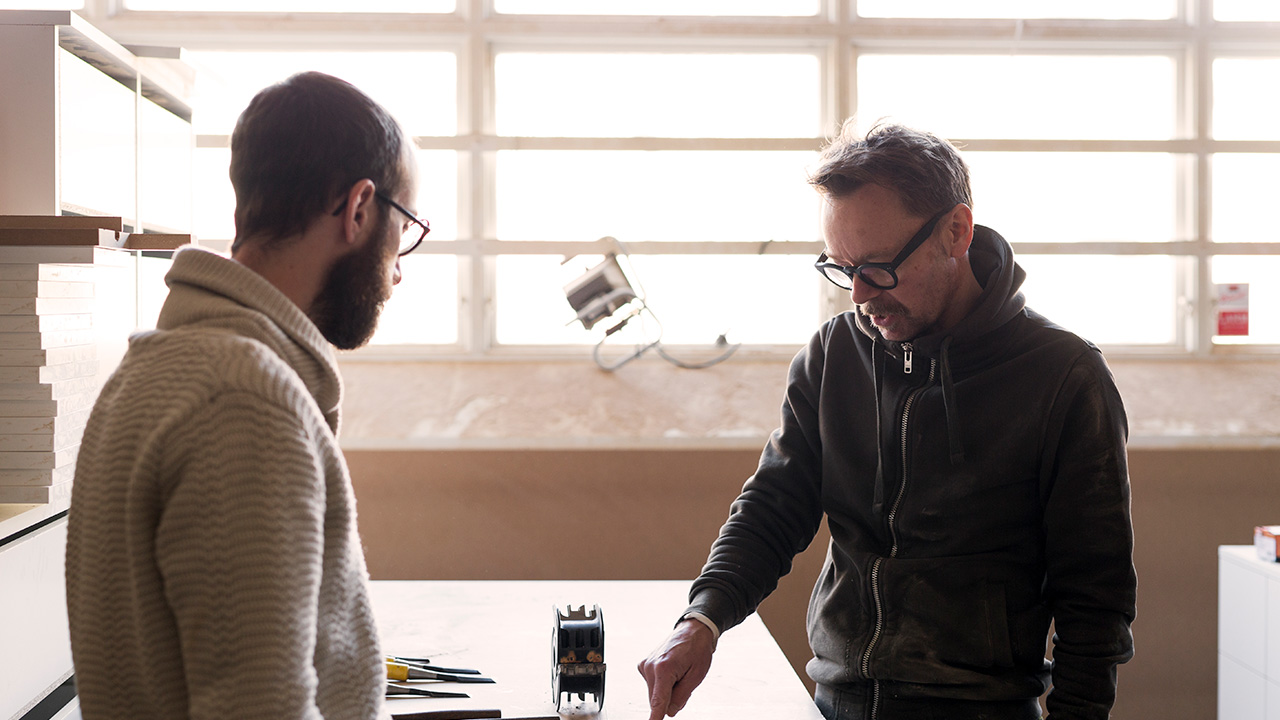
(699,365)
(655,344)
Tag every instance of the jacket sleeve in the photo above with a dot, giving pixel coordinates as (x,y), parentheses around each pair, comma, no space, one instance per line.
(1091,584)
(240,546)
(779,510)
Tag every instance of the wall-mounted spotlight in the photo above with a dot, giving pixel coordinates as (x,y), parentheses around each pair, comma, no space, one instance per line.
(604,290)
(599,292)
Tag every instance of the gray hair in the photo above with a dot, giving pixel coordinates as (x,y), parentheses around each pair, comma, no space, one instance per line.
(927,172)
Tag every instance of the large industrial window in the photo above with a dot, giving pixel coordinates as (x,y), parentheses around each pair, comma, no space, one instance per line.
(1129,150)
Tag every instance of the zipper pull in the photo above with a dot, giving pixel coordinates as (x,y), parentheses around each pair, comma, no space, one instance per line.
(906,358)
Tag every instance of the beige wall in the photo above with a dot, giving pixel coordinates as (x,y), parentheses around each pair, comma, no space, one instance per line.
(570,403)
(456,514)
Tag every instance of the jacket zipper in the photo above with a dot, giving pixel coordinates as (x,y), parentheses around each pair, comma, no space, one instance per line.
(893,533)
(902,488)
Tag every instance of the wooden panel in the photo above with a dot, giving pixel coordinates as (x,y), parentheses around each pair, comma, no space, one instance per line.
(61,222)
(61,236)
(487,514)
(155,241)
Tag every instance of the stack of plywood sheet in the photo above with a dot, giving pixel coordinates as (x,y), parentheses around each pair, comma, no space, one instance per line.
(48,375)
(68,301)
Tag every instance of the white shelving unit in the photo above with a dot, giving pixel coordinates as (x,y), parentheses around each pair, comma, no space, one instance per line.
(1248,635)
(87,127)
(90,127)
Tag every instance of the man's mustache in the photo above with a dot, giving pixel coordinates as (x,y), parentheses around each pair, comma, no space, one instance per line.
(882,308)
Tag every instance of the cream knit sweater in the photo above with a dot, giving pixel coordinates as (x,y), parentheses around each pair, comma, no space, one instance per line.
(213,566)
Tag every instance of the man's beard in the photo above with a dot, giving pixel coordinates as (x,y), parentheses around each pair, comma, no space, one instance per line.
(346,310)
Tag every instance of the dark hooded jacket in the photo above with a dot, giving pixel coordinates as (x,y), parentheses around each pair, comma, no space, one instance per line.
(971,501)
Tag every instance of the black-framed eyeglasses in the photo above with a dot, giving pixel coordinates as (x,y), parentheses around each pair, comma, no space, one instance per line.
(878,275)
(412,237)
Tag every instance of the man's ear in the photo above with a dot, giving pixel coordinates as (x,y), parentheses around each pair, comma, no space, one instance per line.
(958,228)
(360,212)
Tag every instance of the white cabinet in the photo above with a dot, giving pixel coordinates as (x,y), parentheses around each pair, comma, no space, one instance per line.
(1248,635)
(88,127)
(33,616)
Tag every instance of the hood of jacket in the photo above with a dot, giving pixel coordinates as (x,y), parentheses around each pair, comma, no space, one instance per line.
(1000,277)
(213,293)
(991,258)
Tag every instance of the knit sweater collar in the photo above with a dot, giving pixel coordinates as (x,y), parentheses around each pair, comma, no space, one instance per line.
(209,291)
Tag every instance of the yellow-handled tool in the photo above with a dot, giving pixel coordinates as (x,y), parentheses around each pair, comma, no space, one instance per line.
(404,671)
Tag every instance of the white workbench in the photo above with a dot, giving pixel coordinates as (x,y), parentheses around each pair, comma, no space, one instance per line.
(504,628)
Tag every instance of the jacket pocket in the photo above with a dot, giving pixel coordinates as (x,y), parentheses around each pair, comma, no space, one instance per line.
(944,627)
(839,621)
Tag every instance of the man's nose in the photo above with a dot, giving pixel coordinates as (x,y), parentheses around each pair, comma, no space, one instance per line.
(862,291)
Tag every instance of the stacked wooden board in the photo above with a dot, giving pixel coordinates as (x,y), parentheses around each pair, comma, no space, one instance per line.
(48,375)
(68,301)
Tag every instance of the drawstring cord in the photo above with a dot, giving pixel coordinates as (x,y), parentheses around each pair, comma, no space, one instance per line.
(877,374)
(949,404)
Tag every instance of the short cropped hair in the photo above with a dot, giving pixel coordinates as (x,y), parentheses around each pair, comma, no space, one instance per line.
(300,145)
(927,172)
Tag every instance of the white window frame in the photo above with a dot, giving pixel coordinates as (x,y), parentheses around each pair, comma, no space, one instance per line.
(836,35)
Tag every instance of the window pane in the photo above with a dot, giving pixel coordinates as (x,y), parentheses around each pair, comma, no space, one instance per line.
(1107,299)
(213,212)
(1263,275)
(1244,196)
(227,80)
(1246,10)
(293,6)
(423,309)
(1022,96)
(1106,9)
(767,299)
(649,196)
(438,192)
(1246,102)
(796,8)
(657,95)
(215,204)
(1065,197)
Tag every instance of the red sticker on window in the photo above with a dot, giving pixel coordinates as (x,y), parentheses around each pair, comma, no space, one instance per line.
(1233,309)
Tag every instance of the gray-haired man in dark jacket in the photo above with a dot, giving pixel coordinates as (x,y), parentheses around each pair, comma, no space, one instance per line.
(969,456)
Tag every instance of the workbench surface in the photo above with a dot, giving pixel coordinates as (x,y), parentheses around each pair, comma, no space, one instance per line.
(503,629)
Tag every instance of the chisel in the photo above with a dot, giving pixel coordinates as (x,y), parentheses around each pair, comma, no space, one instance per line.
(394,690)
(425,664)
(402,672)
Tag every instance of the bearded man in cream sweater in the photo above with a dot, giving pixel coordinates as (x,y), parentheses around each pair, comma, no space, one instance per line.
(213,565)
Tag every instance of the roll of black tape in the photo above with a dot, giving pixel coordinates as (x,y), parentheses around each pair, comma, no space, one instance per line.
(577,662)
